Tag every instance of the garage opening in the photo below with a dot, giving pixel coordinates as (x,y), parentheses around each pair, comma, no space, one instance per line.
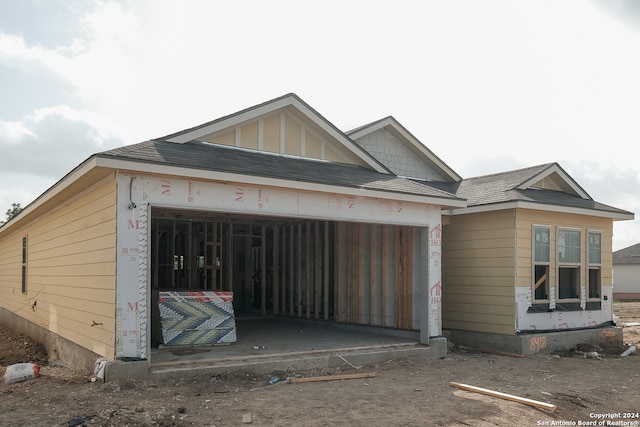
(324,270)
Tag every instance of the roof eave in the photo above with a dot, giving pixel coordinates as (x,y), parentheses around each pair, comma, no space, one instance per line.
(206,174)
(616,216)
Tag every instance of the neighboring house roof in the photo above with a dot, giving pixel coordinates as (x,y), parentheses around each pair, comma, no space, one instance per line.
(211,157)
(394,127)
(545,186)
(629,255)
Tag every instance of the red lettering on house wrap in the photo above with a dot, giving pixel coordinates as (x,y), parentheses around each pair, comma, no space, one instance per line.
(133,224)
(165,187)
(239,195)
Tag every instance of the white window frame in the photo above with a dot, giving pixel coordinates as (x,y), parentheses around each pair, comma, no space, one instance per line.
(535,263)
(561,264)
(593,265)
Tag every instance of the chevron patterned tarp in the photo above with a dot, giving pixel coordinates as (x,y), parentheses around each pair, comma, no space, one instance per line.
(197,318)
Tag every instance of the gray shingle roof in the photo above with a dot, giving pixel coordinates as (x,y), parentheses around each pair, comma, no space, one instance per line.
(629,255)
(204,156)
(502,188)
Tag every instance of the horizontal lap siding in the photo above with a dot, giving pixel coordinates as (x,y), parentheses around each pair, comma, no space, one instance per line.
(71,270)
(526,218)
(478,269)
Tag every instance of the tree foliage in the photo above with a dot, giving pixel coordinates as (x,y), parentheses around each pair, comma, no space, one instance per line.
(13,211)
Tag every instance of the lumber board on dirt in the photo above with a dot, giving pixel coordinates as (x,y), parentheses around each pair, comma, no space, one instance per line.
(535,403)
(333,377)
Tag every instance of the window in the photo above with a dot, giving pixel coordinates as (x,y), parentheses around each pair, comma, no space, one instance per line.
(541,252)
(594,249)
(24,265)
(568,249)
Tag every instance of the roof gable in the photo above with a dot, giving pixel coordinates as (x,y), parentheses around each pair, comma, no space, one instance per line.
(553,177)
(394,146)
(286,126)
(545,187)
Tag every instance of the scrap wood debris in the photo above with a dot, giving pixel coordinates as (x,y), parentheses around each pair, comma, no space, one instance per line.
(332,377)
(535,403)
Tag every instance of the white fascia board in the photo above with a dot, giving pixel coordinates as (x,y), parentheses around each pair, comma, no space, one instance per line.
(273,182)
(253,113)
(538,207)
(566,178)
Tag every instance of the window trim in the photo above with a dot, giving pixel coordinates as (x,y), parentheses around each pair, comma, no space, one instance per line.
(24,264)
(535,263)
(571,265)
(593,266)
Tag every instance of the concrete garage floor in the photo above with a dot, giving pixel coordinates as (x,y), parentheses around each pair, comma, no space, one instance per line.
(292,344)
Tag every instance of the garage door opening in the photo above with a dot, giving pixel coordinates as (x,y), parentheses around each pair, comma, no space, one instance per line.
(337,272)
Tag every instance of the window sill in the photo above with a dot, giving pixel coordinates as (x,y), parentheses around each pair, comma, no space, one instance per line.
(564,306)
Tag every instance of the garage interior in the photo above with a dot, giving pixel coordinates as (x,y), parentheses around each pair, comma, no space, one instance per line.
(283,269)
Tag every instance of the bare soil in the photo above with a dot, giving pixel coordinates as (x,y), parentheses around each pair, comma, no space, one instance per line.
(405,392)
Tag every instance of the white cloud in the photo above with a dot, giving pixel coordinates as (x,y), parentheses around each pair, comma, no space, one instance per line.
(51,141)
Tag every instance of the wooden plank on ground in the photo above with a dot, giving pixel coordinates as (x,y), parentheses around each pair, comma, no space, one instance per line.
(535,403)
(333,377)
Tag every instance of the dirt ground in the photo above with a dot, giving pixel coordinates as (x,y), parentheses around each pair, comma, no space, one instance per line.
(403,393)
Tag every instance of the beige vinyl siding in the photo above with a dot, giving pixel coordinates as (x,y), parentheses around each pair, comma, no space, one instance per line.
(71,269)
(526,218)
(478,269)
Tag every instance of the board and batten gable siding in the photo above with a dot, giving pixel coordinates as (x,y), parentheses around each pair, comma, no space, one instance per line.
(526,219)
(71,269)
(282,132)
(478,270)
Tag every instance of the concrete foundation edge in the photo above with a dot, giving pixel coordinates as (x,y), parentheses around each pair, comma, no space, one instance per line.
(58,348)
(607,338)
(122,370)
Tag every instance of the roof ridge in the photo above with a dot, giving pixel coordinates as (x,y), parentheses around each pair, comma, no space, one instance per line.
(540,166)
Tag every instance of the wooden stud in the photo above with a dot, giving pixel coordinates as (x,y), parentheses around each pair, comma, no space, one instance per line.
(372,274)
(291,269)
(339,268)
(263,271)
(276,270)
(308,269)
(326,270)
(318,272)
(299,265)
(384,243)
(362,250)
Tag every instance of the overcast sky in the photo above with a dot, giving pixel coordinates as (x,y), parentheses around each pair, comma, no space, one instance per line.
(487,85)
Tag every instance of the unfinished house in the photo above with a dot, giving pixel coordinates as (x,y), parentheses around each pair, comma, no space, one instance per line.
(270,214)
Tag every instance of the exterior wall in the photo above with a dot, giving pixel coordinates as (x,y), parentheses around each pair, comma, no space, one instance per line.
(137,193)
(396,155)
(626,281)
(556,319)
(478,270)
(70,270)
